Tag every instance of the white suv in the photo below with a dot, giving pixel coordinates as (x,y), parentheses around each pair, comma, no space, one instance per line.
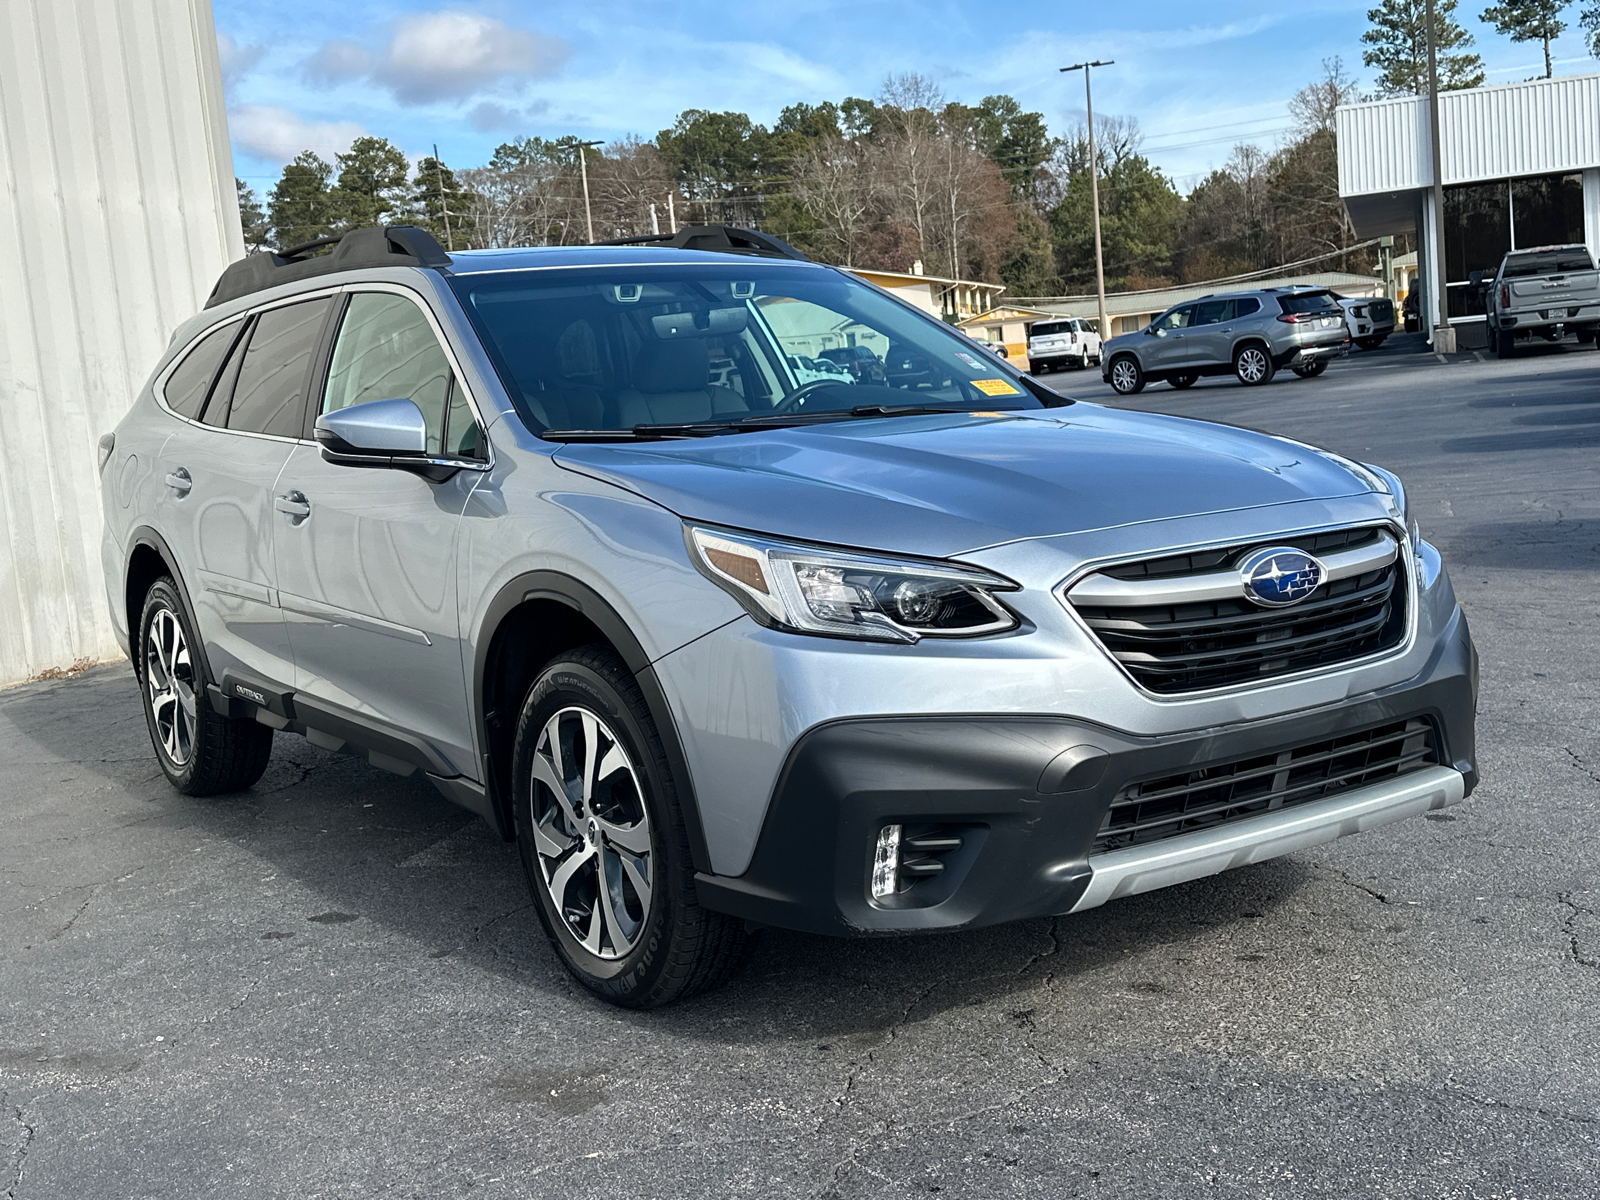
(1065,343)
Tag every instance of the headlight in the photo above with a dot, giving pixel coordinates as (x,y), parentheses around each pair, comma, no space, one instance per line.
(812,589)
(1402,504)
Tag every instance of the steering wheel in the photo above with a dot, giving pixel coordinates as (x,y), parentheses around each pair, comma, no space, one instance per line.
(793,401)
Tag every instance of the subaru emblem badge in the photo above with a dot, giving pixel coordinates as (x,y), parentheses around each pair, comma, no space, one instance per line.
(1280,576)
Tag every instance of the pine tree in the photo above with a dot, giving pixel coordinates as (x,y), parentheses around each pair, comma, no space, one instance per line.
(252,221)
(300,207)
(1529,21)
(441,205)
(372,180)
(1399,41)
(1590,20)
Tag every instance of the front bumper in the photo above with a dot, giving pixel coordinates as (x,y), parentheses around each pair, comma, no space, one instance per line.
(1030,828)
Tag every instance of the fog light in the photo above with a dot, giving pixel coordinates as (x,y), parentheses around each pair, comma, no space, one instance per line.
(886,863)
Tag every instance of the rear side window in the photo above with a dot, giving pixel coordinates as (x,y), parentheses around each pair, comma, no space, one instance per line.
(386,351)
(187,386)
(1213,312)
(1247,306)
(269,396)
(1045,328)
(1308,302)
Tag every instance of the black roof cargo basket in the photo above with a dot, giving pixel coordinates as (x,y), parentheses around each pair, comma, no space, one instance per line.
(724,239)
(395,246)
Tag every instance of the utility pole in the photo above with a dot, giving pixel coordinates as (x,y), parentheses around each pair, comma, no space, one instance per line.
(583,168)
(444,202)
(672,216)
(655,224)
(1094,190)
(1444,334)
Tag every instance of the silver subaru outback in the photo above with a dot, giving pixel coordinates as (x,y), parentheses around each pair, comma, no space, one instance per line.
(1250,335)
(927,648)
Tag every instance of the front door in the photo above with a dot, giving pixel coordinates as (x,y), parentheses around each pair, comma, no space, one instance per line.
(366,555)
(1171,339)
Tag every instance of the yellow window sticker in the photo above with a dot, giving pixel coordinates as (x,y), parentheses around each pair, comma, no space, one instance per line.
(995,387)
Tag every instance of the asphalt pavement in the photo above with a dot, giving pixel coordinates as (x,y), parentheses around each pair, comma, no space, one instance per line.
(333,985)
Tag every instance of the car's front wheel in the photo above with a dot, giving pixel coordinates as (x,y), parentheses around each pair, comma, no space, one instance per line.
(1370,343)
(1127,378)
(1252,365)
(200,751)
(603,841)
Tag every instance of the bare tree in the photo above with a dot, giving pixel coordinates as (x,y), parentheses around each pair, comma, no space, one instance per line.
(1313,105)
(624,181)
(836,182)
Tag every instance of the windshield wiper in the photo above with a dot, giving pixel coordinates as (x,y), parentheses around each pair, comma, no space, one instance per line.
(692,429)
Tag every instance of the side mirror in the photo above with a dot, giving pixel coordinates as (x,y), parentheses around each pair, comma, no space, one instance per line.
(1154,332)
(375,433)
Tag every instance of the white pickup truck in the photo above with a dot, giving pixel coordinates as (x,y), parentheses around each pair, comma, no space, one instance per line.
(1069,342)
(1546,292)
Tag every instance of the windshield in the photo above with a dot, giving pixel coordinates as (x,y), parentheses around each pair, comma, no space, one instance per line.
(1550,262)
(616,348)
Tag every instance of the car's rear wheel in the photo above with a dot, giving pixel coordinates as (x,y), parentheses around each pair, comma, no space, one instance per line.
(1252,365)
(1311,369)
(1127,378)
(200,751)
(603,841)
(1504,344)
(1183,381)
(1038,368)
(1586,335)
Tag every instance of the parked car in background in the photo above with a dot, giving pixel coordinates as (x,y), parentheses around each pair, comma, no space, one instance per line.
(809,370)
(1251,334)
(850,658)
(1543,292)
(1369,319)
(863,365)
(1065,343)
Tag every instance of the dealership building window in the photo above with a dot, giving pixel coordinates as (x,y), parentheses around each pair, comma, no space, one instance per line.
(1482,221)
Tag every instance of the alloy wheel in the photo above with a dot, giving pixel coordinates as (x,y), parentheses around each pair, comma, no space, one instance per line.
(1252,365)
(592,832)
(169,678)
(1124,376)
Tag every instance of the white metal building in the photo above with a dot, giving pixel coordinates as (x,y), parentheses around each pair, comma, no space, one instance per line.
(117,213)
(1521,167)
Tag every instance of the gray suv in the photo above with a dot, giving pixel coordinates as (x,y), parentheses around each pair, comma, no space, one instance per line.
(1248,334)
(722,648)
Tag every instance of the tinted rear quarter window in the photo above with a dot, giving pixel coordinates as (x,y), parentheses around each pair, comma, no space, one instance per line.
(1308,302)
(1248,305)
(1045,328)
(270,394)
(187,386)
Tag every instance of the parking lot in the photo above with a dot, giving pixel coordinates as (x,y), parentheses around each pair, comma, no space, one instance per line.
(334,985)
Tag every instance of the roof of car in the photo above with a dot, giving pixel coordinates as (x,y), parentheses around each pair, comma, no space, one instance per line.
(522,258)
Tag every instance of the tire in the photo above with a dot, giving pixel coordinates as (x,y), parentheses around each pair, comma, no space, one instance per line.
(1504,345)
(201,752)
(1586,335)
(1039,369)
(1252,365)
(1369,343)
(1183,381)
(1312,369)
(633,949)
(1126,376)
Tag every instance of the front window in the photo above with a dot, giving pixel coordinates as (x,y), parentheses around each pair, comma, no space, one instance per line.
(653,346)
(1178,318)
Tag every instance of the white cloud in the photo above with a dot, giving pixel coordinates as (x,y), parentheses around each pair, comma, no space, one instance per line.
(444,55)
(337,61)
(488,116)
(236,59)
(275,134)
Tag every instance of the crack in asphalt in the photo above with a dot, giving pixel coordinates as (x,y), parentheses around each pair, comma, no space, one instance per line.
(94,891)
(22,1152)
(1345,877)
(1577,761)
(1569,926)
(1550,1114)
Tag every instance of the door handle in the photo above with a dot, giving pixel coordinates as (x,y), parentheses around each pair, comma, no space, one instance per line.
(179,481)
(293,505)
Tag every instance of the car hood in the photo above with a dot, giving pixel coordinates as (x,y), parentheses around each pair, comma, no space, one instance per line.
(950,484)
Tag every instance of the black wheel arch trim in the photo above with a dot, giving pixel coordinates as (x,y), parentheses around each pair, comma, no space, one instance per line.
(579,596)
(144,536)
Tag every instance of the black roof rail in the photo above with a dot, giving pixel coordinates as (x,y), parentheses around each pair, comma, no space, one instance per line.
(394,246)
(724,239)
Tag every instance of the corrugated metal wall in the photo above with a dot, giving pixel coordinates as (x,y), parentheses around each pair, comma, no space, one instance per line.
(117,213)
(1534,128)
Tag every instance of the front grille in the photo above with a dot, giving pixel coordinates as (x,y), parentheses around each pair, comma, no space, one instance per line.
(1236,791)
(1174,648)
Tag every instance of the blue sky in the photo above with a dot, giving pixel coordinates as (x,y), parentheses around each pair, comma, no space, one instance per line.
(302,74)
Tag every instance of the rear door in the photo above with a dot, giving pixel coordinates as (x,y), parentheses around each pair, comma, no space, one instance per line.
(366,555)
(1210,339)
(219,471)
